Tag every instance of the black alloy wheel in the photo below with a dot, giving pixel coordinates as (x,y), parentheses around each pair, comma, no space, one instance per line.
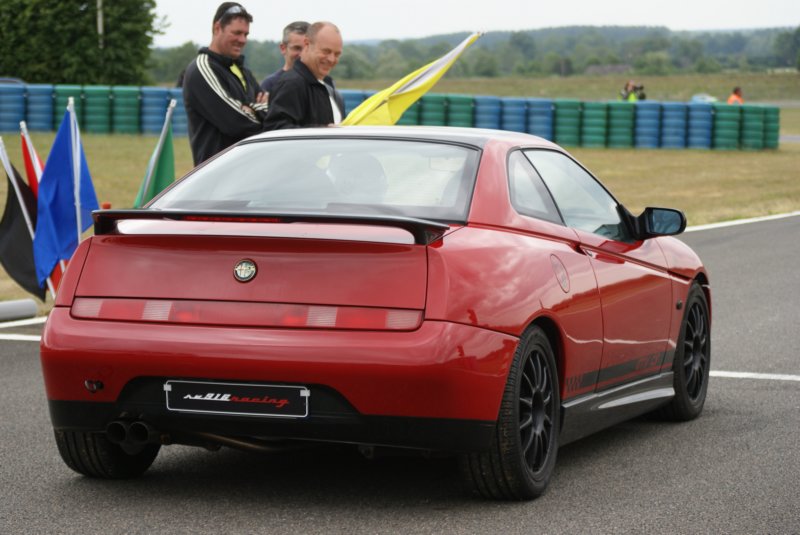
(696,351)
(692,360)
(521,458)
(537,411)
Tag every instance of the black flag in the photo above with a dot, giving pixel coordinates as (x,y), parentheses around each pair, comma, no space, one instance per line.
(16,242)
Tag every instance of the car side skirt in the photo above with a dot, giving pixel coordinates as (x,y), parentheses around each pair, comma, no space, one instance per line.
(588,414)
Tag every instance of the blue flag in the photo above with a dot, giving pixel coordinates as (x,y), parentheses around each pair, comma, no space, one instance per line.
(66,194)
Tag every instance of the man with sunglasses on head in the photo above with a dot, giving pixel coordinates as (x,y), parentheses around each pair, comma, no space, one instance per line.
(223,100)
(305,96)
(291,46)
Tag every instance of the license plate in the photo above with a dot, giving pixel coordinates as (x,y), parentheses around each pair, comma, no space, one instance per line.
(240,399)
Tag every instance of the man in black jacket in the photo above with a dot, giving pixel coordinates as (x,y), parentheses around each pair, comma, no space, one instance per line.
(305,96)
(223,100)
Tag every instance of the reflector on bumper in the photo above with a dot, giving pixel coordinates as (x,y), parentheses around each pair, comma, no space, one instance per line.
(246,314)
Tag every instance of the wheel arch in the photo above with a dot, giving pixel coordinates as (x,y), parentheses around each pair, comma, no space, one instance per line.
(702,279)
(554,336)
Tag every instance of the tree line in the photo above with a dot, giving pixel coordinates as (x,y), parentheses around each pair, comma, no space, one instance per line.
(64,42)
(554,51)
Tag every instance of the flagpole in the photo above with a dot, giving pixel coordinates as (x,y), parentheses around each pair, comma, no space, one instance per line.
(25,215)
(76,161)
(151,165)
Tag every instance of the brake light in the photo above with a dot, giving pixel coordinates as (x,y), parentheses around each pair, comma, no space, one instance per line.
(232,219)
(246,314)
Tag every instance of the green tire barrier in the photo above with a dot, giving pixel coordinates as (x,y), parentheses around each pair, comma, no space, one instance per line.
(125,112)
(594,129)
(97,109)
(459,110)
(433,111)
(61,94)
(621,121)
(568,122)
(727,126)
(752,137)
(772,126)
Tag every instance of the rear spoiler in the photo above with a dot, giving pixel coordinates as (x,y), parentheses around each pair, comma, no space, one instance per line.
(424,231)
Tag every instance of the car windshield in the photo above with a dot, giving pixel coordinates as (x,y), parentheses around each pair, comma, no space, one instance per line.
(423,179)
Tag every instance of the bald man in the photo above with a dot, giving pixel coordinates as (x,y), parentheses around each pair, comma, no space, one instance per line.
(305,96)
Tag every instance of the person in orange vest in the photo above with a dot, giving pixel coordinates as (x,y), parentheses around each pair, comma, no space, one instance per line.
(736,96)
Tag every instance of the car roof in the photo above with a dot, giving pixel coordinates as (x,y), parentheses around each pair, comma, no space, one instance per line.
(478,137)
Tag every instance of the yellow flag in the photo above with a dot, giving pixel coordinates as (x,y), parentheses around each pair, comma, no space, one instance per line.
(385,107)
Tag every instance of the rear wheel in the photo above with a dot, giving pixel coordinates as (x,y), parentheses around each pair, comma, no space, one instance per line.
(522,455)
(692,360)
(91,454)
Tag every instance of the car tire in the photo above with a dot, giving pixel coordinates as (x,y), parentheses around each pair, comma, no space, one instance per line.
(522,455)
(692,360)
(92,455)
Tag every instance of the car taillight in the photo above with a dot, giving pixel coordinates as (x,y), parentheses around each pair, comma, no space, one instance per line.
(246,314)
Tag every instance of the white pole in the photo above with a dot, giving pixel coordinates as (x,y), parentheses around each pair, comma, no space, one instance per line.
(76,162)
(100,23)
(25,215)
(151,165)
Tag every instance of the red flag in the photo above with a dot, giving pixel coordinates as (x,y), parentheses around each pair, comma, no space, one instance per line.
(33,164)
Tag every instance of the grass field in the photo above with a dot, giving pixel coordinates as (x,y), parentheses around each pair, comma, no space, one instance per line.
(709,186)
(757,87)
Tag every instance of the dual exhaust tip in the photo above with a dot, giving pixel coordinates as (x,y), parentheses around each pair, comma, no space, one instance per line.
(132,434)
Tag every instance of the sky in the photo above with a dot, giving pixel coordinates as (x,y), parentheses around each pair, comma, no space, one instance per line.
(190,20)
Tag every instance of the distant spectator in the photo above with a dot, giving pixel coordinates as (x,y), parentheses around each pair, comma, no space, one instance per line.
(632,92)
(291,46)
(736,96)
(224,103)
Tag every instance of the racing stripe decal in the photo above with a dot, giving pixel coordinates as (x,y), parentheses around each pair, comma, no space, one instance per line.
(211,79)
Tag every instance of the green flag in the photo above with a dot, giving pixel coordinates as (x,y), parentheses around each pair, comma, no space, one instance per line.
(161,169)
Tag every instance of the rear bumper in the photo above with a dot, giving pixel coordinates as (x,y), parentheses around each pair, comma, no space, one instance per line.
(437,387)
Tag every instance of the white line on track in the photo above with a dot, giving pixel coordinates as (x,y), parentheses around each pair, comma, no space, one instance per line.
(22,323)
(740,222)
(763,376)
(21,337)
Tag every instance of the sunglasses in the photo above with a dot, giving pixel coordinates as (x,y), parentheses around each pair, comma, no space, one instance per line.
(233,10)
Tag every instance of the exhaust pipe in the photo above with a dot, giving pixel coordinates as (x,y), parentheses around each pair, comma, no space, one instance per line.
(132,436)
(141,433)
(117,431)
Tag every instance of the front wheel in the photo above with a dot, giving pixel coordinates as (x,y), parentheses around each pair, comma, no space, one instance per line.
(91,454)
(522,455)
(692,360)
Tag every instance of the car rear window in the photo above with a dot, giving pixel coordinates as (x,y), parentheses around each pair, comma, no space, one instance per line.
(431,180)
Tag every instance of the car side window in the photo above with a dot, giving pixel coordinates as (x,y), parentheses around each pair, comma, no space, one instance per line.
(583,202)
(529,196)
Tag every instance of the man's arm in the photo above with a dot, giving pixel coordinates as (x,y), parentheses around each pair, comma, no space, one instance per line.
(207,96)
(287,108)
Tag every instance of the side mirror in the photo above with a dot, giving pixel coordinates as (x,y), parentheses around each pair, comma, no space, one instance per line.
(659,222)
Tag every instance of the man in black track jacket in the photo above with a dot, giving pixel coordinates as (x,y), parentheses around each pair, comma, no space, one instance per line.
(305,96)
(223,99)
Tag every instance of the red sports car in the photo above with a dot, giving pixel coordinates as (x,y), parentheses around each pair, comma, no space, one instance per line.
(452,290)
